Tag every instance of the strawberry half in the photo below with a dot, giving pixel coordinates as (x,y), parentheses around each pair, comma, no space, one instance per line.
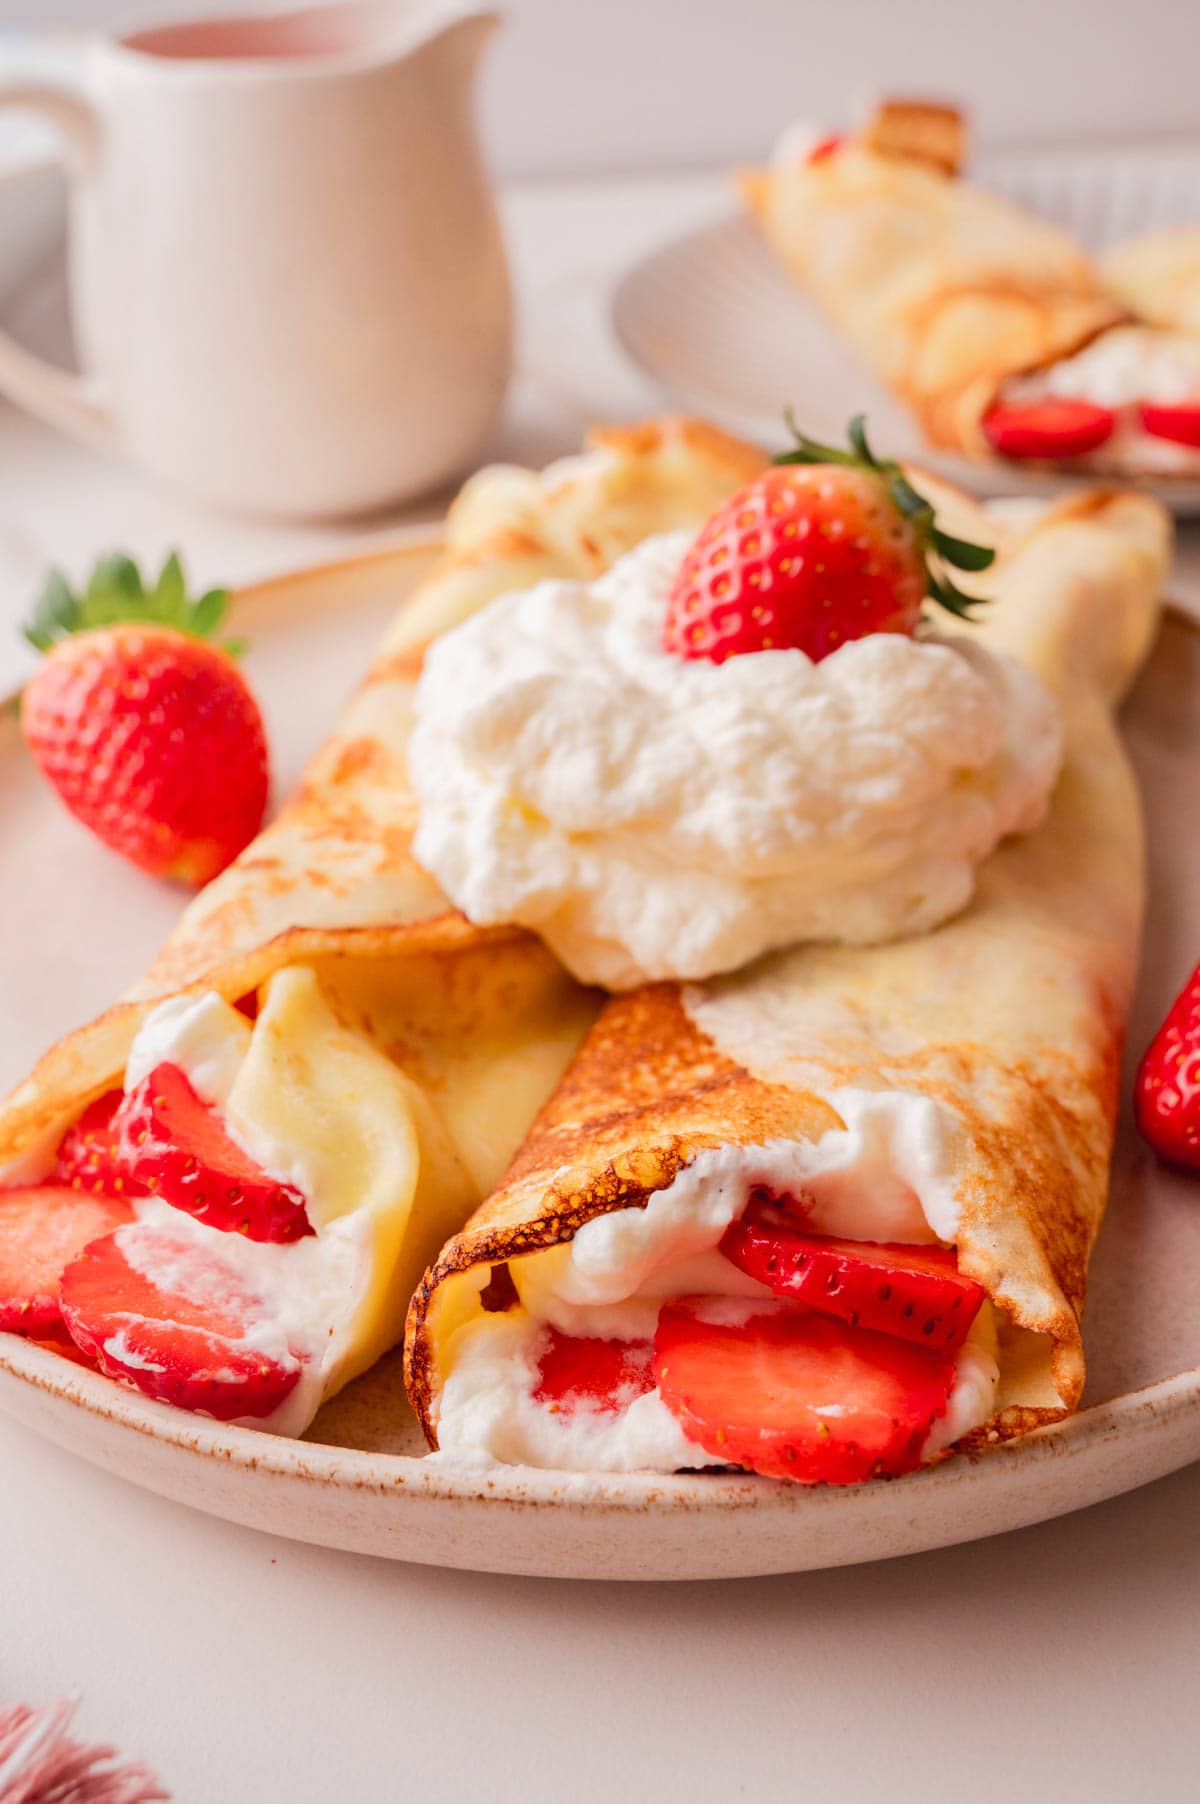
(149,733)
(915,1292)
(794,1394)
(1166,1095)
(582,1371)
(173,1321)
(88,1157)
(824,547)
(1179,423)
(174,1146)
(43,1227)
(1054,427)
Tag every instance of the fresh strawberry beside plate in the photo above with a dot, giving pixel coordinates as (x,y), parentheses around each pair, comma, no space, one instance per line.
(915,1292)
(1167,1090)
(794,1394)
(147,729)
(174,1146)
(173,1320)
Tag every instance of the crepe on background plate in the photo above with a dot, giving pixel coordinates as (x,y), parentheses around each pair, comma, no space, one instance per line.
(415,1062)
(1158,276)
(1003,1027)
(943,289)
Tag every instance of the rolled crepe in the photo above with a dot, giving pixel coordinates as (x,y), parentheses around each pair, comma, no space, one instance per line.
(1158,277)
(961,1085)
(944,290)
(478,1022)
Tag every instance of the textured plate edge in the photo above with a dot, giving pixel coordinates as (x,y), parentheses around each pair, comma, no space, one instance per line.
(47,1393)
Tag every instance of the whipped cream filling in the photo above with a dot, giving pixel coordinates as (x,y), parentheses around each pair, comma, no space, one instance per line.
(308,1292)
(654,817)
(317,1300)
(887,1174)
(1122,369)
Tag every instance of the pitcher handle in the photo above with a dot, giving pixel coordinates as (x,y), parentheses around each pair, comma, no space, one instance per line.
(54,394)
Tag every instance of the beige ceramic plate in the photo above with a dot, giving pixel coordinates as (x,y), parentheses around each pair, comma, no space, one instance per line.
(78,925)
(715,322)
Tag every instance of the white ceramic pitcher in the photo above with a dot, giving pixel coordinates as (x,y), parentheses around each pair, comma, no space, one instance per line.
(288,282)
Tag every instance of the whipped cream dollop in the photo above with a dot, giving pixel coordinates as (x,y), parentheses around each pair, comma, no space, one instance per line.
(653,817)
(887,1174)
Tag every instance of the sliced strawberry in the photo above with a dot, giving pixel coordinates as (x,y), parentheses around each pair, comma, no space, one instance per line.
(1180,424)
(88,1157)
(1054,427)
(825,148)
(176,1147)
(916,1292)
(172,1320)
(60,1342)
(581,1370)
(793,1394)
(42,1228)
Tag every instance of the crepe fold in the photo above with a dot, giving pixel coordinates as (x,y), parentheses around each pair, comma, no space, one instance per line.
(1157,276)
(481,1020)
(944,290)
(1008,1020)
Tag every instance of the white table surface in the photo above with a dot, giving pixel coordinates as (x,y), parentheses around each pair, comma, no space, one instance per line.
(1057,1662)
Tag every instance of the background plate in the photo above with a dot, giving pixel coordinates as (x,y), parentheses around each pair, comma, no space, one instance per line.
(713,319)
(79,925)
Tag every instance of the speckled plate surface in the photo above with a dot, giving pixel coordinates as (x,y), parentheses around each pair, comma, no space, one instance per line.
(79,926)
(716,323)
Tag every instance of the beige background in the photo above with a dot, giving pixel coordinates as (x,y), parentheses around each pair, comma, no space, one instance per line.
(580,85)
(1058,1663)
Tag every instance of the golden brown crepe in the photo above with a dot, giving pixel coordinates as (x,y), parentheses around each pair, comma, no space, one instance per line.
(1158,277)
(482,1021)
(944,290)
(1009,1017)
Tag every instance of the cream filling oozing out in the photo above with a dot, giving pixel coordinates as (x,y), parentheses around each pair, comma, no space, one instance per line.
(315,1105)
(886,1175)
(1121,369)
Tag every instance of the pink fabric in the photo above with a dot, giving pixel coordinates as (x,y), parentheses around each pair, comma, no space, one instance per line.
(40,1764)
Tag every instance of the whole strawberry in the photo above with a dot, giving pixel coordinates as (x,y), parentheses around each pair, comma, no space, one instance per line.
(824,547)
(148,732)
(1167,1091)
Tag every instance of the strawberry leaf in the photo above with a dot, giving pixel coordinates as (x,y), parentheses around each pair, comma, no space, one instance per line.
(205,616)
(55,613)
(961,553)
(170,592)
(908,502)
(115,593)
